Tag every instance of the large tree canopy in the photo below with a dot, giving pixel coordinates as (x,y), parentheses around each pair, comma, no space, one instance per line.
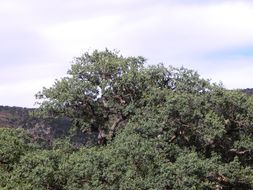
(156,128)
(104,89)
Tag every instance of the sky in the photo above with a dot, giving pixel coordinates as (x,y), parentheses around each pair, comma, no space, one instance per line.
(39,39)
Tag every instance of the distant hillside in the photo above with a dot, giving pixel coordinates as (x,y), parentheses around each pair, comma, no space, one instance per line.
(13,117)
(248,91)
(42,130)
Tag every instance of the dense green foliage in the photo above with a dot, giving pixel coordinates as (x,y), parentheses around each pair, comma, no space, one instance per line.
(156,128)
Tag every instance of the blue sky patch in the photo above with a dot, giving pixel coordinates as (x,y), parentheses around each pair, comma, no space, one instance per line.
(240,52)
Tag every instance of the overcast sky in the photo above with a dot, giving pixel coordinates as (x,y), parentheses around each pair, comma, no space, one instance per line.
(40,38)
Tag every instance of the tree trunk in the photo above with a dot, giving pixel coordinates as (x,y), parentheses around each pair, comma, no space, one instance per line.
(101,137)
(113,127)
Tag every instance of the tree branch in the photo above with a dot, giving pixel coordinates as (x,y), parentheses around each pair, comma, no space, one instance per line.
(238,152)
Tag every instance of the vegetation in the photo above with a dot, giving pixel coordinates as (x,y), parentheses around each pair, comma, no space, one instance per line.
(152,127)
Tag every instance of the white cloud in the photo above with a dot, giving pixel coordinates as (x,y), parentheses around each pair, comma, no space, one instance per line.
(73,38)
(22,93)
(42,37)
(234,72)
(10,7)
(180,29)
(19,84)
